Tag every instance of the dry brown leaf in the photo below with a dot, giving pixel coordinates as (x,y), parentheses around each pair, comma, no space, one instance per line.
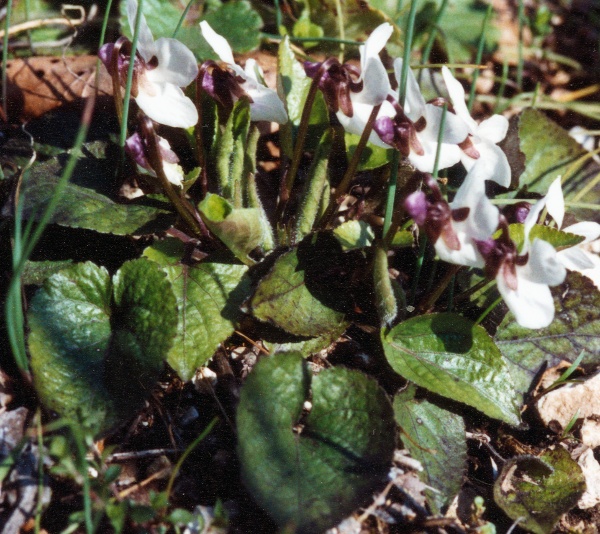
(40,84)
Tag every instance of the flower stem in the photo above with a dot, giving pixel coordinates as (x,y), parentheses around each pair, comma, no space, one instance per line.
(344,185)
(200,153)
(183,207)
(290,177)
(479,56)
(432,298)
(488,310)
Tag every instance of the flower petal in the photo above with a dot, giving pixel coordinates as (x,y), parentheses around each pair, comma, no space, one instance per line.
(176,63)
(555,202)
(531,220)
(266,104)
(414,103)
(217,42)
(576,259)
(493,129)
(168,105)
(356,124)
(543,266)
(588,229)
(145,42)
(376,82)
(531,303)
(457,96)
(493,159)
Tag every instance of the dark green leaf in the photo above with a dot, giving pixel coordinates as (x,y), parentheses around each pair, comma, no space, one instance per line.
(452,357)
(242,230)
(209,295)
(36,272)
(436,438)
(576,327)
(87,201)
(549,153)
(309,471)
(292,297)
(539,490)
(354,234)
(97,347)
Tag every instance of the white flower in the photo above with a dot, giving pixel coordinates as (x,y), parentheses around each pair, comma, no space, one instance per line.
(455,229)
(168,66)
(485,135)
(415,129)
(376,86)
(265,104)
(523,278)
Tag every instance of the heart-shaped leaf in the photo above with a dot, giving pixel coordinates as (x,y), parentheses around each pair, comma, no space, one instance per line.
(299,294)
(449,355)
(576,327)
(311,469)
(98,345)
(539,490)
(435,437)
(209,295)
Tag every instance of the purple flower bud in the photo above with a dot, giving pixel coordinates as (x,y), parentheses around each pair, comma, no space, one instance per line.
(134,146)
(311,68)
(416,204)
(384,127)
(517,213)
(105,55)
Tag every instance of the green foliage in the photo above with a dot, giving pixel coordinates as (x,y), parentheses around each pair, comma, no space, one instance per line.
(208,295)
(539,490)
(372,157)
(449,355)
(242,230)
(88,199)
(557,238)
(230,152)
(237,20)
(293,297)
(97,345)
(316,190)
(576,327)
(310,470)
(292,86)
(435,437)
(352,235)
(548,159)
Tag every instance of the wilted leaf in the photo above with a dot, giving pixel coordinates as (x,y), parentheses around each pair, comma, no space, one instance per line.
(452,357)
(311,470)
(385,300)
(576,327)
(539,490)
(208,295)
(97,346)
(242,230)
(86,202)
(295,295)
(436,438)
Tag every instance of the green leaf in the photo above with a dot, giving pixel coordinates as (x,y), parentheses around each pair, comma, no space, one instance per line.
(230,152)
(403,238)
(576,327)
(36,272)
(237,21)
(449,355)
(557,238)
(359,20)
(436,438)
(209,295)
(98,346)
(87,201)
(539,490)
(292,86)
(549,152)
(312,197)
(310,470)
(241,230)
(294,296)
(352,235)
(305,28)
(385,300)
(372,157)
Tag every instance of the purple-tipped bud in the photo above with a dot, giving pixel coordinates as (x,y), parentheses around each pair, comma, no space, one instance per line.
(134,146)
(105,54)
(384,127)
(311,68)
(416,205)
(517,213)
(486,246)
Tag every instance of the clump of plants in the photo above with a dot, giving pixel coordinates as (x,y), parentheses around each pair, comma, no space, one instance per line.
(392,213)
